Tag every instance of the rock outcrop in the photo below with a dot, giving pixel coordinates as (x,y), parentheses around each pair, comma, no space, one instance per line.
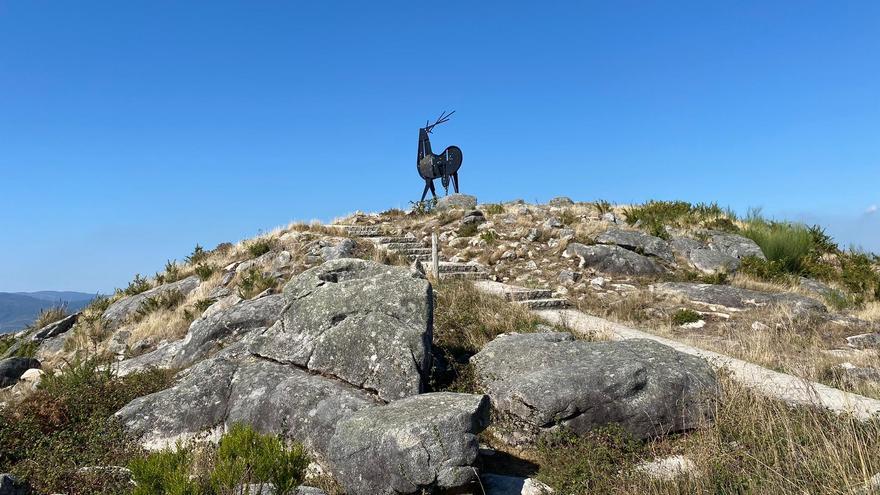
(542,380)
(637,241)
(736,298)
(362,322)
(734,245)
(12,368)
(418,443)
(120,311)
(457,201)
(614,260)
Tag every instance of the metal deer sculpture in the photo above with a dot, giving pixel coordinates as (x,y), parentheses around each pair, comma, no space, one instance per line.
(443,166)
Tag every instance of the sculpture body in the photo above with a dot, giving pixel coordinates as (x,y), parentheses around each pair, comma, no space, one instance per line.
(443,166)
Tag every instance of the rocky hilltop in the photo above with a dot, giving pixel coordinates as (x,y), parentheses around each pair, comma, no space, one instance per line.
(557,348)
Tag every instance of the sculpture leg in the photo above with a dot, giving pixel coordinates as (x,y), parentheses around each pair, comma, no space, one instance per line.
(425,192)
(433,192)
(455,182)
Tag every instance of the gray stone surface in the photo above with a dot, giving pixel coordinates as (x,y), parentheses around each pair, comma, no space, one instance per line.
(56,328)
(12,368)
(864,341)
(613,259)
(344,248)
(123,309)
(734,245)
(560,201)
(419,443)
(496,484)
(457,201)
(682,246)
(542,380)
(637,241)
(365,323)
(473,217)
(711,262)
(567,276)
(736,298)
(273,397)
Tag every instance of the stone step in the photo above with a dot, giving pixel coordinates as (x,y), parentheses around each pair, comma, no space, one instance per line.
(528,294)
(398,240)
(404,245)
(419,257)
(450,267)
(413,250)
(464,276)
(362,230)
(549,303)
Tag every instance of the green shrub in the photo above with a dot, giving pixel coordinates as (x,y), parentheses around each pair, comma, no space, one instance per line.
(197,256)
(67,423)
(568,218)
(589,464)
(259,247)
(255,281)
(858,273)
(136,286)
(243,457)
(603,206)
(166,471)
(490,236)
(205,270)
(169,299)
(788,245)
(171,274)
(421,208)
(493,209)
(467,230)
(202,304)
(655,216)
(771,271)
(683,316)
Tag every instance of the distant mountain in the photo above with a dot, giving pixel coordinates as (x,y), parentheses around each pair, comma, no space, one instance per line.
(19,309)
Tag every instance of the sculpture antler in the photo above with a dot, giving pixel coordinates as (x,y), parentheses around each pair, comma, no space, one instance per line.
(444,117)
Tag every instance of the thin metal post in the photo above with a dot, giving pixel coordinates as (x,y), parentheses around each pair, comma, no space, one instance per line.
(435,255)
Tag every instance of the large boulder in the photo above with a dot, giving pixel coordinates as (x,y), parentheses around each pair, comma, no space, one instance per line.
(419,443)
(457,202)
(235,387)
(613,259)
(538,381)
(560,202)
(734,245)
(343,248)
(362,322)
(711,262)
(57,328)
(12,368)
(736,298)
(637,241)
(123,309)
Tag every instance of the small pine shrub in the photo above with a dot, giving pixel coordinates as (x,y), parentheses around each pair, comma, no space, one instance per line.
(169,299)
(259,247)
(205,270)
(172,272)
(136,286)
(490,236)
(253,282)
(202,304)
(603,207)
(197,256)
(768,270)
(421,208)
(684,316)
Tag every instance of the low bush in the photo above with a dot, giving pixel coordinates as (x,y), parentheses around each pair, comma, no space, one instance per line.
(169,299)
(490,236)
(493,209)
(205,270)
(589,464)
(569,218)
(421,208)
(768,270)
(603,207)
(243,458)
(467,230)
(136,286)
(255,281)
(197,256)
(684,316)
(172,273)
(67,424)
(655,216)
(259,247)
(786,245)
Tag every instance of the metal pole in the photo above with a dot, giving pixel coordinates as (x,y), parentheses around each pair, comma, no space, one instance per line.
(435,256)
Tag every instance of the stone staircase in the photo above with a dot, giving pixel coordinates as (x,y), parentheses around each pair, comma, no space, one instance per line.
(413,249)
(524,296)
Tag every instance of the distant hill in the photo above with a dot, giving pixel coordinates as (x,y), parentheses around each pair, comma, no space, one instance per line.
(19,309)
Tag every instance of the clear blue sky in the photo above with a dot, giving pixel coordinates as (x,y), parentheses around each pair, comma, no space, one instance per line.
(130,131)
